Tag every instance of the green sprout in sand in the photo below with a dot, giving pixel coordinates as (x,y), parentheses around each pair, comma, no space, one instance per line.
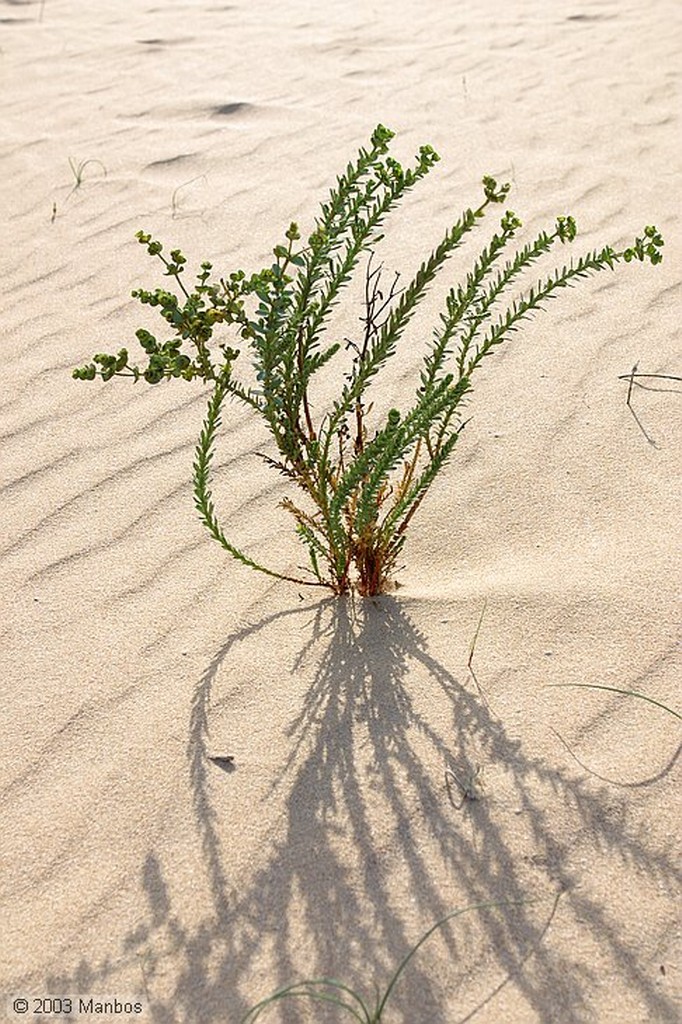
(360,477)
(327,990)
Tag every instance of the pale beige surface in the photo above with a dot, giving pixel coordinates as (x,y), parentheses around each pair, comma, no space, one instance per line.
(132,646)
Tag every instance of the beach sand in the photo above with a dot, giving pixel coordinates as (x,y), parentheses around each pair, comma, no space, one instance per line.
(134,648)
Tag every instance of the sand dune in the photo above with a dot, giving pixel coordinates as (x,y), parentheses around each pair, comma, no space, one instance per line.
(134,649)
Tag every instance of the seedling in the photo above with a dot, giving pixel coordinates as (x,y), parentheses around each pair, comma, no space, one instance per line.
(78,170)
(470,785)
(327,990)
(175,200)
(472,648)
(361,474)
(634,379)
(625,693)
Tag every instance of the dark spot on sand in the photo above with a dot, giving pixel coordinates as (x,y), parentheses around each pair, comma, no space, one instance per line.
(226,763)
(590,17)
(171,160)
(178,41)
(227,109)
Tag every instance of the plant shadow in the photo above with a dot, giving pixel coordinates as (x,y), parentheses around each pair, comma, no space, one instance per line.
(370,852)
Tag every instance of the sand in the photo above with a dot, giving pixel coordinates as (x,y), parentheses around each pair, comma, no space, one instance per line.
(134,648)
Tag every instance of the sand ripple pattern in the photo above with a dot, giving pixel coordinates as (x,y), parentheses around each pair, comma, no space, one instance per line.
(132,649)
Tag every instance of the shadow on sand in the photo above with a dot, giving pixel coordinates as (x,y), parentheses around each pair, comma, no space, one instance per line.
(360,776)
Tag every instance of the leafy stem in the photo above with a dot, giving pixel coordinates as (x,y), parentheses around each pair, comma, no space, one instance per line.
(362,477)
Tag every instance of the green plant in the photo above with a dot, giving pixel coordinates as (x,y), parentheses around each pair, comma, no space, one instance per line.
(175,198)
(361,487)
(78,170)
(616,689)
(327,990)
(470,785)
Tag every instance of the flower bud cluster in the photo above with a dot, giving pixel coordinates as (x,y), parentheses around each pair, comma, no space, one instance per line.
(647,247)
(493,192)
(566,229)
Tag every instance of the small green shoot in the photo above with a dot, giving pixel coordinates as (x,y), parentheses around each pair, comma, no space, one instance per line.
(175,200)
(78,170)
(328,990)
(470,662)
(470,785)
(633,378)
(625,693)
(472,648)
